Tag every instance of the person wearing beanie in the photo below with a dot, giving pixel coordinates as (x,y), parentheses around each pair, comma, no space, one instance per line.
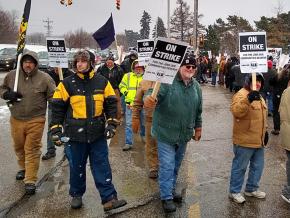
(28,109)
(84,111)
(114,73)
(249,139)
(176,120)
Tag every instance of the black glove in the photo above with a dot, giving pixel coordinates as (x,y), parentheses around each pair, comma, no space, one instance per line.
(266,138)
(254,96)
(56,134)
(12,96)
(110,131)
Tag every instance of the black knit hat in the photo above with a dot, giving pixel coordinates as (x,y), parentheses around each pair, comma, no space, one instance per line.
(28,57)
(189,59)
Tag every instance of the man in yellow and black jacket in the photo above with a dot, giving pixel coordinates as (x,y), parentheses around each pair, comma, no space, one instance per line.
(84,109)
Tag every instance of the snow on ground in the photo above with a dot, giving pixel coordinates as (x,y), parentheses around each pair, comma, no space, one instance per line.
(4,114)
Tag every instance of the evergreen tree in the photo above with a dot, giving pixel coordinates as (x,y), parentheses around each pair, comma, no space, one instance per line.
(160,28)
(213,42)
(145,25)
(181,22)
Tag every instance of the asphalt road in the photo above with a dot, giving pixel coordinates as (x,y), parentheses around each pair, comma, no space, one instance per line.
(203,178)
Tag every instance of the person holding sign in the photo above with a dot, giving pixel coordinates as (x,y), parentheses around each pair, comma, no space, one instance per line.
(84,105)
(128,87)
(176,119)
(249,138)
(144,90)
(28,111)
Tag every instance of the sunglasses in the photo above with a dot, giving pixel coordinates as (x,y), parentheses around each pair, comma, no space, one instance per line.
(190,66)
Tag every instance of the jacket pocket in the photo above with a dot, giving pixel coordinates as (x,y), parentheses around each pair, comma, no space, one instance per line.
(78,104)
(99,102)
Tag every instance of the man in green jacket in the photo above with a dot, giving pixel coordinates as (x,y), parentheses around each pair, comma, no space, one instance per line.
(177,117)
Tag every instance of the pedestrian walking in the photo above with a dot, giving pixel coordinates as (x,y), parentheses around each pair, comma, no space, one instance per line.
(27,119)
(84,110)
(143,91)
(128,87)
(249,138)
(54,74)
(177,117)
(114,73)
(284,111)
(279,83)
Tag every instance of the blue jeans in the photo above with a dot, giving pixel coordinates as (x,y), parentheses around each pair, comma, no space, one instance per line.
(244,156)
(269,98)
(50,146)
(128,130)
(170,158)
(213,78)
(77,155)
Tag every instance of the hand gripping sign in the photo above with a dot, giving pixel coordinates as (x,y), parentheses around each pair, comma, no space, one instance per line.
(165,62)
(253,53)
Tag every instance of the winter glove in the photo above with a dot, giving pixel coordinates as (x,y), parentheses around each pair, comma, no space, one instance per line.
(12,96)
(135,124)
(150,102)
(266,138)
(56,135)
(254,96)
(197,134)
(110,131)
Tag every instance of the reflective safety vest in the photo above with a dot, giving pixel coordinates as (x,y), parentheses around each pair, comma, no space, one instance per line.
(128,86)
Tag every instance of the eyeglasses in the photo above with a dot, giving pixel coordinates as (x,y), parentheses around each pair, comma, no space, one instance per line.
(190,66)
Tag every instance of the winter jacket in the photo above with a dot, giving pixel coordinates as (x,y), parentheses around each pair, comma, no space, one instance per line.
(250,120)
(145,89)
(239,77)
(36,88)
(128,86)
(83,104)
(284,111)
(114,75)
(279,83)
(178,111)
(268,76)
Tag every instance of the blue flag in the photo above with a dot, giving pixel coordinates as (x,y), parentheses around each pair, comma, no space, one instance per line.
(106,34)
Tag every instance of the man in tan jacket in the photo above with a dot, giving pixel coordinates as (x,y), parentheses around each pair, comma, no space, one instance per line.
(28,109)
(249,138)
(151,143)
(285,137)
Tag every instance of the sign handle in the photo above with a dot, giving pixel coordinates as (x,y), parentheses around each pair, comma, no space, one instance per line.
(60,74)
(156,90)
(254,79)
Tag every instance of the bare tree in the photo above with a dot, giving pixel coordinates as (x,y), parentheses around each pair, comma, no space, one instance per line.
(80,39)
(122,40)
(36,39)
(8,27)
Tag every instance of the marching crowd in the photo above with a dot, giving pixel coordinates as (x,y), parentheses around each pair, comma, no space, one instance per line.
(85,109)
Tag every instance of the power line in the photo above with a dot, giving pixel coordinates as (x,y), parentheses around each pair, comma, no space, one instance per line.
(48,26)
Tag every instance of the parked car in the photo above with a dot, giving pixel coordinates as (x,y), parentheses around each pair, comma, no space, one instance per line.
(43,63)
(8,58)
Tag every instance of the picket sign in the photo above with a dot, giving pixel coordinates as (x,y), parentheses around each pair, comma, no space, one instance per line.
(164,62)
(60,74)
(282,62)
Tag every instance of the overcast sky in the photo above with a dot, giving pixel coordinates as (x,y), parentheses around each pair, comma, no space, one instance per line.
(92,14)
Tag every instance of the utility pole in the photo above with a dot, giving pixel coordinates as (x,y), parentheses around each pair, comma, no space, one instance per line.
(48,26)
(195,25)
(168,18)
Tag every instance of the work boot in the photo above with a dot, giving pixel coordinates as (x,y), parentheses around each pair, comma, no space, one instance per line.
(168,206)
(48,155)
(275,132)
(177,197)
(153,174)
(113,204)
(30,188)
(76,202)
(20,175)
(127,147)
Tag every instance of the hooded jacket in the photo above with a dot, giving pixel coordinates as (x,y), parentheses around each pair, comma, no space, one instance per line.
(36,88)
(250,119)
(284,111)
